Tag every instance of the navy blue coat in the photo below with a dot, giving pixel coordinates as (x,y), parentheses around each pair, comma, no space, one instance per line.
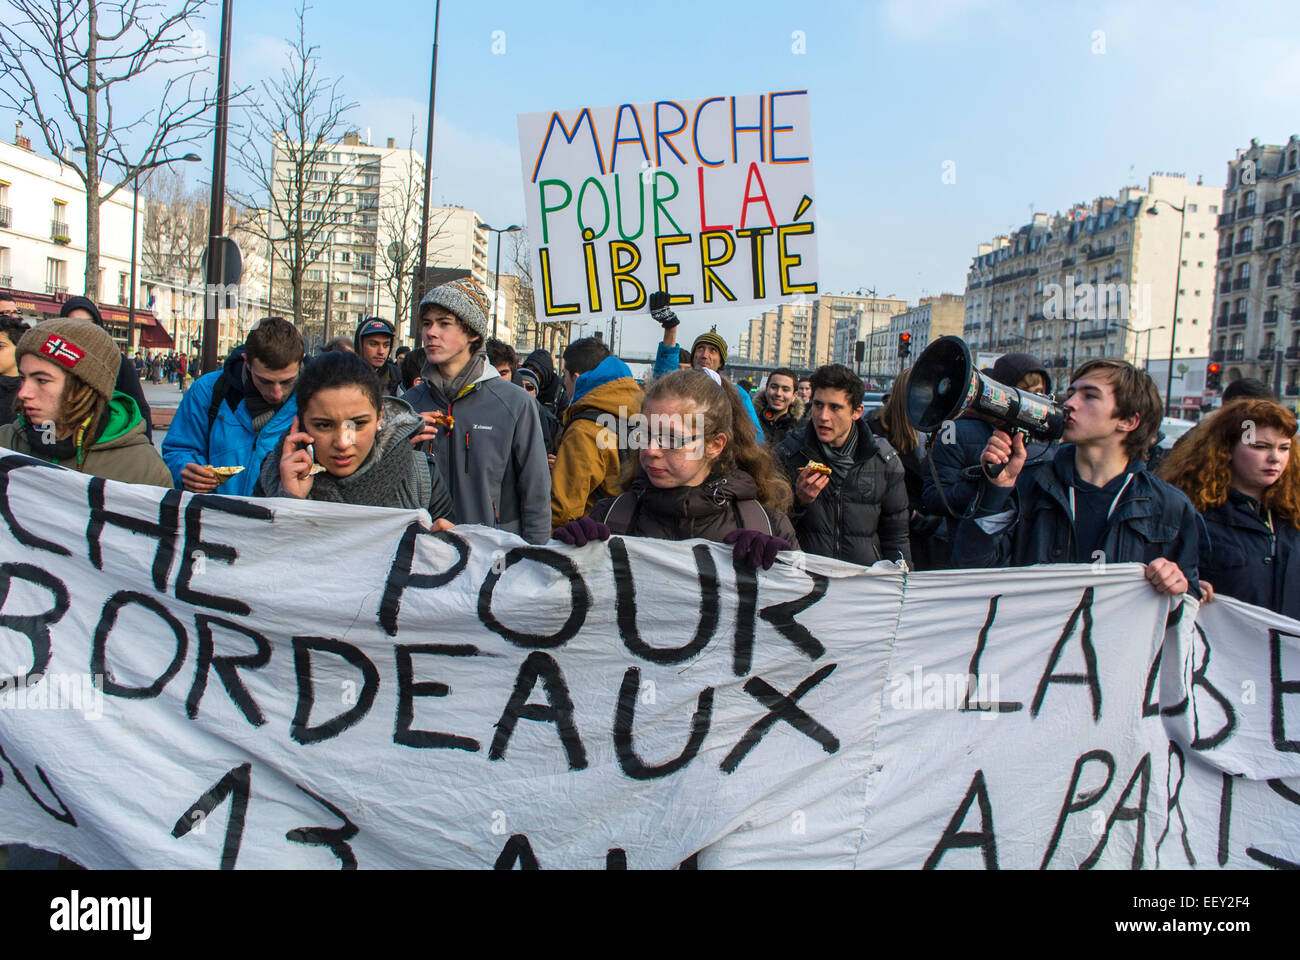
(1152,519)
(1241,558)
(956,465)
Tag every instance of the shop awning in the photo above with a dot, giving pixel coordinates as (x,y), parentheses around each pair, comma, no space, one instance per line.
(150,333)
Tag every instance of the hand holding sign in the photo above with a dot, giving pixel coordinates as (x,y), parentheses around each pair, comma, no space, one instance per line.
(296,462)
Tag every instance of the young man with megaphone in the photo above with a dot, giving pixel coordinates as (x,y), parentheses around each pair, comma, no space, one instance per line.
(1094,500)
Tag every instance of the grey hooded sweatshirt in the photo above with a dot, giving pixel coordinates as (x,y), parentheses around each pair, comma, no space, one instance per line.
(494,458)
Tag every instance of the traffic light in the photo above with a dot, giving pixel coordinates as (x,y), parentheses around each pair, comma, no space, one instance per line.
(859,351)
(904,344)
(1213,376)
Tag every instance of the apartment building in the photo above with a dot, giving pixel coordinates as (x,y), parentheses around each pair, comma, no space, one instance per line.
(930,319)
(1102,279)
(807,334)
(1256,330)
(866,319)
(370,199)
(43,241)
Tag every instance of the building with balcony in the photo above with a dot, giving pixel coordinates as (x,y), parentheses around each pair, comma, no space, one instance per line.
(1256,331)
(370,198)
(43,240)
(1100,279)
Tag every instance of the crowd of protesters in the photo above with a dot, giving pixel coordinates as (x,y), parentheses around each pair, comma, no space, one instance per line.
(461,427)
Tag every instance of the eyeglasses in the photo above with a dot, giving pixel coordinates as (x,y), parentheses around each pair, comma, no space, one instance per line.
(671,442)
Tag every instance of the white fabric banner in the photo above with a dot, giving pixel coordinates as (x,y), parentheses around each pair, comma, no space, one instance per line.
(205,681)
(710,200)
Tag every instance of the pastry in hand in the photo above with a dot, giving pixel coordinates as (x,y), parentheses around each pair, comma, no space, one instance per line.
(225,473)
(816,467)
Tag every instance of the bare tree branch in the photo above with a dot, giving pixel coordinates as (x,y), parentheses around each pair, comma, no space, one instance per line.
(284,155)
(55,49)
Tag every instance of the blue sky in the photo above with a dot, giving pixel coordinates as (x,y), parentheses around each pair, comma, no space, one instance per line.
(1038,104)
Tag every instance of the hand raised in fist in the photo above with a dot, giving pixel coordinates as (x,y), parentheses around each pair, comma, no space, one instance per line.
(661,312)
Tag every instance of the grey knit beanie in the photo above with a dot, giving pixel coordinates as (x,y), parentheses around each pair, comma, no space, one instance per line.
(465,299)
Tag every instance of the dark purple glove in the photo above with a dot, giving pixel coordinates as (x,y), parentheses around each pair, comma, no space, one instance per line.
(756,549)
(660,310)
(578,533)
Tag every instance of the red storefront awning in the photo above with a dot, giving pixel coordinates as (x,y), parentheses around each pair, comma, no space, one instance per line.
(151,334)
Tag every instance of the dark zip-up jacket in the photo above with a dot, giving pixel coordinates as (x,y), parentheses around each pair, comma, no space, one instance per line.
(1243,559)
(708,512)
(956,465)
(863,519)
(1031,522)
(493,460)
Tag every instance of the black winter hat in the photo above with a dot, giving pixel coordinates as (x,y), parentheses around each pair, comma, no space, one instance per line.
(1011,368)
(81,303)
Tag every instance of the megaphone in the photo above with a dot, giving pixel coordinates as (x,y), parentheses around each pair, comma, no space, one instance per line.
(944,384)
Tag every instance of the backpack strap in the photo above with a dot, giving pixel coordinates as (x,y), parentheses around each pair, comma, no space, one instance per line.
(754,517)
(621,513)
(220,390)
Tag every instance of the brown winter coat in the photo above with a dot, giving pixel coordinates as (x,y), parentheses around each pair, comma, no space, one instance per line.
(121,453)
(685,513)
(584,472)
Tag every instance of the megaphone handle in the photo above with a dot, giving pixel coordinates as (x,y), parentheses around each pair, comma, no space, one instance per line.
(993,470)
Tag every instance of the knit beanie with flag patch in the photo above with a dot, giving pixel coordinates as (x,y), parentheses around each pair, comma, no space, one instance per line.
(79,347)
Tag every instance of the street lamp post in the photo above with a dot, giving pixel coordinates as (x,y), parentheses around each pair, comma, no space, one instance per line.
(1178,279)
(496,274)
(135,219)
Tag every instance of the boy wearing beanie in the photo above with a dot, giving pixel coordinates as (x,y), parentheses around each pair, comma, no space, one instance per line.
(128,378)
(493,457)
(68,412)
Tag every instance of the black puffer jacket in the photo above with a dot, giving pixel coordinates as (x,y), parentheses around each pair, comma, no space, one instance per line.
(862,519)
(8,390)
(1242,558)
(708,511)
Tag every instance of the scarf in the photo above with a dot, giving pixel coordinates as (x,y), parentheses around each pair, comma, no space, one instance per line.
(451,389)
(258,409)
(840,459)
(394,475)
(75,446)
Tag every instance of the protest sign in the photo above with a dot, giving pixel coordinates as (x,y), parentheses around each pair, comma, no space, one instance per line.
(709,200)
(203,682)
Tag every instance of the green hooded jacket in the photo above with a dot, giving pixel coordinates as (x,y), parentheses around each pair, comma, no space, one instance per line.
(121,453)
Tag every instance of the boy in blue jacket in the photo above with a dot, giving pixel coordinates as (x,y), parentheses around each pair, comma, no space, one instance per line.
(235,416)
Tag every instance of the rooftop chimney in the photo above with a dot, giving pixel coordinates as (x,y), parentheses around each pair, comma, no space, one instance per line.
(352,139)
(391,143)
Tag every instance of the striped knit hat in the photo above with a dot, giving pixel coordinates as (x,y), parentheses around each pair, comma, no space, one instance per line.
(713,339)
(464,299)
